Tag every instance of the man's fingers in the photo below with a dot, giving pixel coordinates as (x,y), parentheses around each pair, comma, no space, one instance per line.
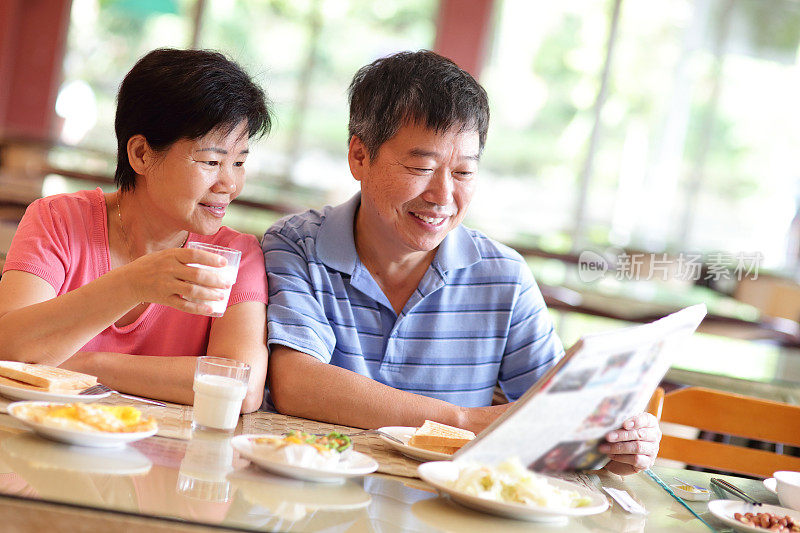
(637,447)
(621,469)
(639,462)
(642,420)
(652,434)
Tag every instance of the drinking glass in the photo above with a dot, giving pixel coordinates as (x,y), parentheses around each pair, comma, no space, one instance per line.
(220,386)
(227,273)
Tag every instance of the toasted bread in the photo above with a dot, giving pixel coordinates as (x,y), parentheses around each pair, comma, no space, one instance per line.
(449,450)
(20,385)
(44,376)
(440,435)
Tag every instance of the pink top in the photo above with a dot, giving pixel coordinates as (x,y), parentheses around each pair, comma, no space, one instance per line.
(63,239)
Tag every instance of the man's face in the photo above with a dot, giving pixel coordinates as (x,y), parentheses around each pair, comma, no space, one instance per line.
(417,188)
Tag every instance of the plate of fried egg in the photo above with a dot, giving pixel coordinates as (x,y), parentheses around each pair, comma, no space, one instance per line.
(85,424)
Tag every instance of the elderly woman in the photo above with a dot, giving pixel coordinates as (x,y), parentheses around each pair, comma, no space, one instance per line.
(102,283)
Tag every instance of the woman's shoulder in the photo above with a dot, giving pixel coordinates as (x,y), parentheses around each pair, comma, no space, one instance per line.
(231,238)
(81,205)
(71,200)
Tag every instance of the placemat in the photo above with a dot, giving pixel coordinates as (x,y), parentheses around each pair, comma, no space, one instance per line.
(389,461)
(175,422)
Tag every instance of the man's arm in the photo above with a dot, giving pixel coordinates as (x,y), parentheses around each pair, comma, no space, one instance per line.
(301,385)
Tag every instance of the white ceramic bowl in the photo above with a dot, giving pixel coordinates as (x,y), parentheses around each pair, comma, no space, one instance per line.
(788,485)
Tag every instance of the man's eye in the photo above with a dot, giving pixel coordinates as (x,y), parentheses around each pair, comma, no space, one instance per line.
(422,170)
(464,175)
(211,163)
(239,164)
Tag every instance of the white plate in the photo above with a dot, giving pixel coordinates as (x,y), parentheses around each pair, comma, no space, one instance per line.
(404,434)
(771,484)
(81,438)
(352,465)
(43,453)
(725,509)
(440,472)
(17,393)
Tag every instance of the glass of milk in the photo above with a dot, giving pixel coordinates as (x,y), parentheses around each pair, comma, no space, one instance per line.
(227,273)
(220,385)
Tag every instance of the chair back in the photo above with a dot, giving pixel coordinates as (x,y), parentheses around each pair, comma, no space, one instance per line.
(730,414)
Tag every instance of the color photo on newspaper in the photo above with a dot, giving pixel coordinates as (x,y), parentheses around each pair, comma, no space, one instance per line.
(602,380)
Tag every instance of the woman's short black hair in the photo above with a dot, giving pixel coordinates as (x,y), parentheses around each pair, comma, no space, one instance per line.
(172,94)
(414,87)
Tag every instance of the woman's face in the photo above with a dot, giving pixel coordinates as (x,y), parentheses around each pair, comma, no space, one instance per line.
(193,181)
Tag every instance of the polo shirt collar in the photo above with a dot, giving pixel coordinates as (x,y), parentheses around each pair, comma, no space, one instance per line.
(336,246)
(457,250)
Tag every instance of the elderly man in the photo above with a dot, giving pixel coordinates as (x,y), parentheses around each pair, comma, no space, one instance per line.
(385,310)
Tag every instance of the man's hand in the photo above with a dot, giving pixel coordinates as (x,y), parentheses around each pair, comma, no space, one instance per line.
(634,446)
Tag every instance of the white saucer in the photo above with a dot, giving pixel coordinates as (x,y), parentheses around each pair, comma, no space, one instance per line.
(771,484)
(18,393)
(404,434)
(440,472)
(353,464)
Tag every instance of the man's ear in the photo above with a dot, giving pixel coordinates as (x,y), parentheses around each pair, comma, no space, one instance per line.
(139,154)
(358,158)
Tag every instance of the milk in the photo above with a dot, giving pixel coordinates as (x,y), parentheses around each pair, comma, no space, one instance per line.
(227,274)
(217,401)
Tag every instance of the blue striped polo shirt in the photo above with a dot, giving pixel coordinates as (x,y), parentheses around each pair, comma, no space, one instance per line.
(476,319)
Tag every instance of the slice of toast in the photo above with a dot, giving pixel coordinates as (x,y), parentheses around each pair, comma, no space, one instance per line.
(449,450)
(45,376)
(440,435)
(20,385)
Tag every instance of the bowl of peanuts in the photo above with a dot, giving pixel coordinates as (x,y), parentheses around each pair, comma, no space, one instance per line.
(788,486)
(743,516)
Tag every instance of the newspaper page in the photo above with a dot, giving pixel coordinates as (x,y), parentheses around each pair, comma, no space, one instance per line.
(603,379)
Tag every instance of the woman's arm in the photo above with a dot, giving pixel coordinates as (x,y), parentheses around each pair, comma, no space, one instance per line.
(240,334)
(38,326)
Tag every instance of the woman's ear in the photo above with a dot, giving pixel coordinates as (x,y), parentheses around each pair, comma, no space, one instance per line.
(139,154)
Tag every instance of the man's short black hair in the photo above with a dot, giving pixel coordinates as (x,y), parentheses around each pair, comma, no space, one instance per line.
(172,94)
(414,87)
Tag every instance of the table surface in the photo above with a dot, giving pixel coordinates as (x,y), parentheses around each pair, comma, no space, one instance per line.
(182,479)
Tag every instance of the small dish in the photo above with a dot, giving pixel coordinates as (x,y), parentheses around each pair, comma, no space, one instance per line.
(692,493)
(440,472)
(18,393)
(94,439)
(353,464)
(771,484)
(725,509)
(405,433)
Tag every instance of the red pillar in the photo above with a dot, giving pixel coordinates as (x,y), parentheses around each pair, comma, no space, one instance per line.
(463,31)
(32,42)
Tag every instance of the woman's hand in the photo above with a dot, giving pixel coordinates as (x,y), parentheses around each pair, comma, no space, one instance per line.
(167,278)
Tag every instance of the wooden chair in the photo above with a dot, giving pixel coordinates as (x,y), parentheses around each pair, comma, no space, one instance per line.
(729,414)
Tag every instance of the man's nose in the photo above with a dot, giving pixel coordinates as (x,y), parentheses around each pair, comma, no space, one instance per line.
(440,188)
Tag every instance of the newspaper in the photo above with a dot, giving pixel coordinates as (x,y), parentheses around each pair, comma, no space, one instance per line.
(604,379)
